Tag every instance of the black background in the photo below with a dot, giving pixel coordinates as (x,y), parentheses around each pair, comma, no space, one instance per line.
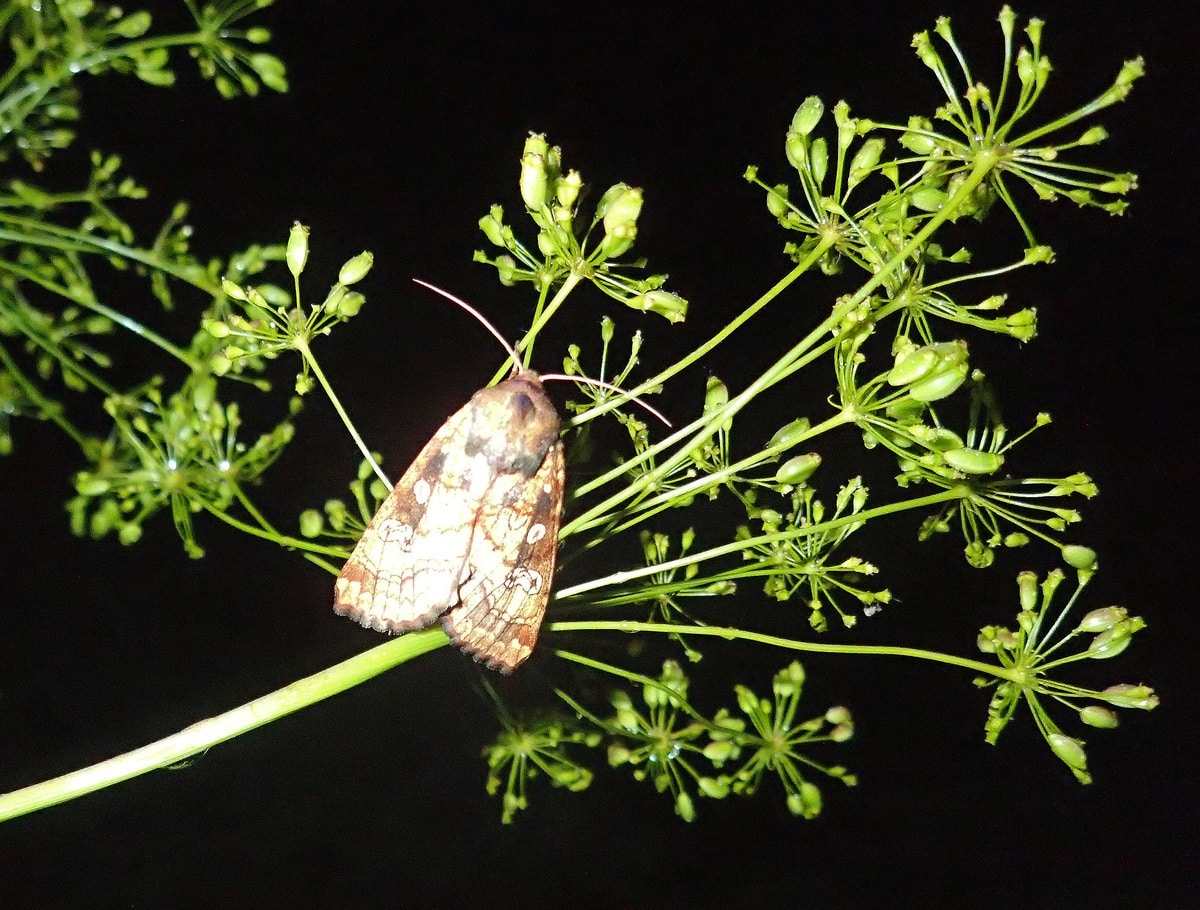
(399,131)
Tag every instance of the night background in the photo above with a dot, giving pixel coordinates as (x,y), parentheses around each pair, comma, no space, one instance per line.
(398,132)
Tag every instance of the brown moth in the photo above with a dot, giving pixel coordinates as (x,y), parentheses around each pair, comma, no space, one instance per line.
(470,532)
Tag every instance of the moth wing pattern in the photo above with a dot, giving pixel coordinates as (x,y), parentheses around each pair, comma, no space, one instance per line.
(510,566)
(401,576)
(470,532)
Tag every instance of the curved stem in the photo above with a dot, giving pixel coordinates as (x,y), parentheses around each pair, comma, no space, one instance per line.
(205,734)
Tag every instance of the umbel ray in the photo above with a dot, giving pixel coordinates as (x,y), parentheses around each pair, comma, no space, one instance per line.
(469,534)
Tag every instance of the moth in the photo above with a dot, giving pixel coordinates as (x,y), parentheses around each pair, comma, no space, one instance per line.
(470,532)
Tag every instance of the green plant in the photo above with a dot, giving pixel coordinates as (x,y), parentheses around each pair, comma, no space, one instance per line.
(899,370)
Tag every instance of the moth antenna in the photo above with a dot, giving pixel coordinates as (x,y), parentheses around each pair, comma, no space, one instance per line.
(516,358)
(512,352)
(587,380)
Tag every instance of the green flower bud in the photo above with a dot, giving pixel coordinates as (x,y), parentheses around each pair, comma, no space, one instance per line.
(841,733)
(354,270)
(713,788)
(838,714)
(973,462)
(90,485)
(808,115)
(807,802)
(684,807)
(749,702)
(129,534)
(297,249)
(132,26)
(1127,696)
(798,470)
(789,681)
(790,434)
(1098,716)
(312,523)
(617,755)
(258,35)
(719,751)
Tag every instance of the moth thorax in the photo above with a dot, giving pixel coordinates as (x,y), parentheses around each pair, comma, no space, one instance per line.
(513,425)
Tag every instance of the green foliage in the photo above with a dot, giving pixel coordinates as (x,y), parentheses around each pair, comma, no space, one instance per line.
(899,369)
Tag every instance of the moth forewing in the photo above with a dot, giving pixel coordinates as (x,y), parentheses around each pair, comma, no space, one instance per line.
(471,528)
(502,599)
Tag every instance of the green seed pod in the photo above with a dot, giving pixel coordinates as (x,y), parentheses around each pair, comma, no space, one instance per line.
(216,328)
(973,461)
(865,160)
(916,138)
(818,158)
(1111,642)
(297,249)
(777,200)
(566,189)
(231,290)
(1070,750)
(349,304)
(790,434)
(808,115)
(354,270)
(928,198)
(798,470)
(796,149)
(535,181)
(623,209)
(940,384)
(1102,619)
(1098,716)
(913,364)
(1077,557)
(1126,696)
(1027,585)
(492,225)
(670,306)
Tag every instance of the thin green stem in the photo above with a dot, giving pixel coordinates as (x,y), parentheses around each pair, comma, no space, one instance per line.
(202,736)
(301,345)
(734,634)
